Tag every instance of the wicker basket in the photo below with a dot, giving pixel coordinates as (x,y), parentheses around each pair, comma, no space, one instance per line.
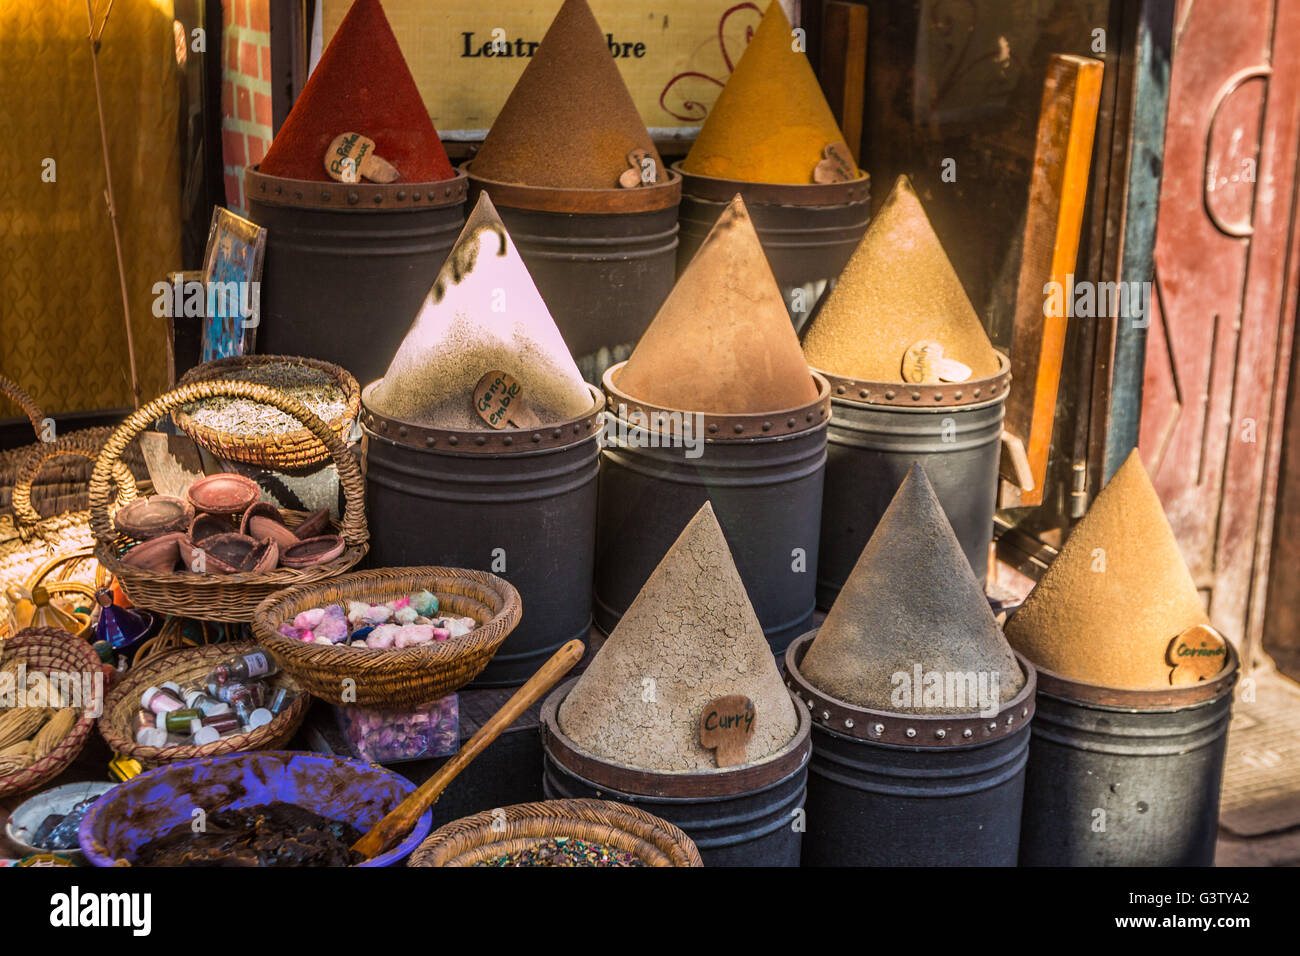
(47,650)
(221,597)
(393,678)
(489,835)
(193,663)
(290,450)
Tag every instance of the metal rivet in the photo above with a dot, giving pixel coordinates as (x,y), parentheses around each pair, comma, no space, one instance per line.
(537,436)
(556,433)
(810,416)
(864,394)
(957,396)
(379,197)
(826,715)
(447,192)
(911,731)
(738,428)
(353,198)
(415,196)
(402,431)
(324,195)
(279,190)
(296,195)
(383,426)
(839,390)
(767,426)
(889,396)
(431,441)
(848,721)
(916,396)
(1025,712)
(993,726)
(967,733)
(941,734)
(507,441)
(713,429)
(453,440)
(790,423)
(480,440)
(810,704)
(977,393)
(878,729)
(938,396)
(401,194)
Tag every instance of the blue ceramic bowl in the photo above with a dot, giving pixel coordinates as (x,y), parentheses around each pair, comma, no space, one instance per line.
(339,788)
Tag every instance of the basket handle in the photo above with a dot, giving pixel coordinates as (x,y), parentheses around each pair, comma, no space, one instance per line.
(25,513)
(355,531)
(33,411)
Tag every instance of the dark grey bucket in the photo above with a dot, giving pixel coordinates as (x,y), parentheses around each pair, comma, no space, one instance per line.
(808,231)
(873,440)
(603,260)
(1126,778)
(907,790)
(348,266)
(765,484)
(518,504)
(743,816)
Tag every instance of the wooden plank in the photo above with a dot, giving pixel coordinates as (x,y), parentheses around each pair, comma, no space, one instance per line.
(843,67)
(1058,189)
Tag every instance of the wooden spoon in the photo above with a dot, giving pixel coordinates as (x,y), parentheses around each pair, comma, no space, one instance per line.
(402,818)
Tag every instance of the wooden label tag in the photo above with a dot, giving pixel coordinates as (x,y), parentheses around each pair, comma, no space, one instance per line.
(1197,654)
(499,401)
(924,364)
(837,165)
(351,157)
(726,726)
(641,170)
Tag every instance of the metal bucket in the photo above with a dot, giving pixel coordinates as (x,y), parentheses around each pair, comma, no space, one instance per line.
(603,260)
(877,431)
(1126,777)
(744,816)
(348,265)
(808,232)
(763,474)
(912,790)
(519,504)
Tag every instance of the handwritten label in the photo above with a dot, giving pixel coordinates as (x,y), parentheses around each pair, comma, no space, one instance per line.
(499,401)
(924,364)
(1197,654)
(837,165)
(351,157)
(641,170)
(726,726)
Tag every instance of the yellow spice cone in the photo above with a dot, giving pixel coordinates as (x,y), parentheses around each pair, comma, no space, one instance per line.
(689,637)
(771,122)
(912,600)
(1116,595)
(898,288)
(722,342)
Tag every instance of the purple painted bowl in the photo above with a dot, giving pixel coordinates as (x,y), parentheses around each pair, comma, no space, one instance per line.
(339,788)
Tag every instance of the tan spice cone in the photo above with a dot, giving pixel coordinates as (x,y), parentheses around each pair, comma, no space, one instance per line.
(911,600)
(689,637)
(570,121)
(897,289)
(722,342)
(1116,595)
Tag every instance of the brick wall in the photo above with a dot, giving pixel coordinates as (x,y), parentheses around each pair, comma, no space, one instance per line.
(245,91)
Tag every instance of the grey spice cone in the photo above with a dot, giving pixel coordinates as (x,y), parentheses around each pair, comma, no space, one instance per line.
(912,600)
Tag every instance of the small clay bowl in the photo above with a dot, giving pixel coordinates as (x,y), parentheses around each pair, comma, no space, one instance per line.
(153,517)
(221,553)
(224,494)
(161,554)
(314,524)
(263,520)
(205,526)
(313,551)
(263,558)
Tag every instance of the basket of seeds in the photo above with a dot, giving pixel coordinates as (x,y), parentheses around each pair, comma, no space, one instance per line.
(239,429)
(231,596)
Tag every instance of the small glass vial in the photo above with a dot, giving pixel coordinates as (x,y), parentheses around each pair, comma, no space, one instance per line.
(160,701)
(245,667)
(205,703)
(177,721)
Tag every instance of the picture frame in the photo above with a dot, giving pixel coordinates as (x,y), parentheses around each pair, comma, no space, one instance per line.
(232,274)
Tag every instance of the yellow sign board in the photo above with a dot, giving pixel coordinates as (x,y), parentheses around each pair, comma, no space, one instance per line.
(674,55)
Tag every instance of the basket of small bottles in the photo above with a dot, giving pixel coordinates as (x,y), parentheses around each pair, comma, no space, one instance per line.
(202,702)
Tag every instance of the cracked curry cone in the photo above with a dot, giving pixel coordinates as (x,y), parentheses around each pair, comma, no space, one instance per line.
(361,85)
(911,600)
(898,288)
(722,342)
(771,122)
(690,636)
(1118,593)
(483,314)
(570,121)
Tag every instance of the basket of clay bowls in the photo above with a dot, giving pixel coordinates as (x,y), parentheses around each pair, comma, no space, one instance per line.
(392,637)
(236,429)
(117,725)
(39,738)
(559,833)
(150,571)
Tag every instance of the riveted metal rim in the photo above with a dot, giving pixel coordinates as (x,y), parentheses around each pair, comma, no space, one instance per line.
(938,731)
(791,421)
(651,783)
(1164,698)
(594,201)
(777,194)
(503,442)
(857,391)
(354,197)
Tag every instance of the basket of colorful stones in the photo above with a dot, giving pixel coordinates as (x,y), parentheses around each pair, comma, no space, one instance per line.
(238,429)
(216,553)
(391,637)
(572,833)
(202,702)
